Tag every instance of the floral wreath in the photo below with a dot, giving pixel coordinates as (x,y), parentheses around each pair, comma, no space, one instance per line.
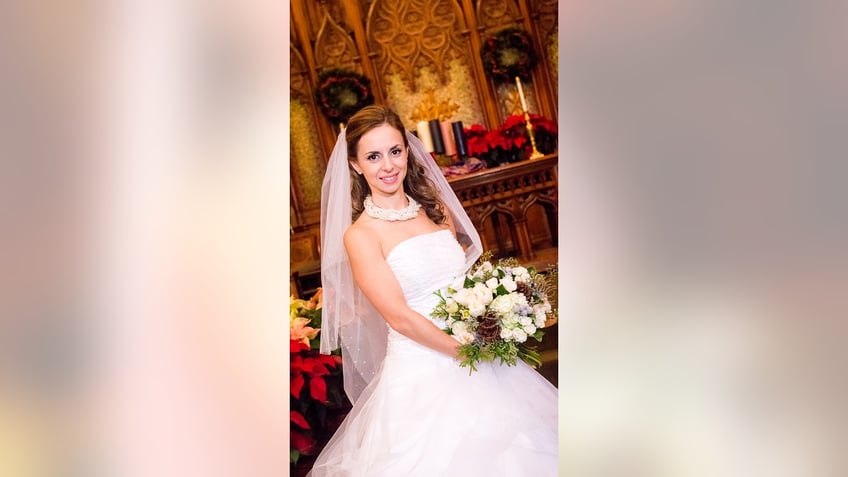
(341,93)
(508,54)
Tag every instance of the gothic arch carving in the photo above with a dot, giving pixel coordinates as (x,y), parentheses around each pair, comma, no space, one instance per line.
(407,36)
(497,14)
(334,46)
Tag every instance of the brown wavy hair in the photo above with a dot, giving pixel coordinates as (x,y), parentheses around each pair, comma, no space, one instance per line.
(416,183)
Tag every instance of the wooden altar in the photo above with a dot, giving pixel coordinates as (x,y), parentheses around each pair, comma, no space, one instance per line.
(510,191)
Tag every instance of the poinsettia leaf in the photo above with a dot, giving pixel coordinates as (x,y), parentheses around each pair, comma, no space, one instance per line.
(298,419)
(301,442)
(296,363)
(329,360)
(318,369)
(297,346)
(318,389)
(297,383)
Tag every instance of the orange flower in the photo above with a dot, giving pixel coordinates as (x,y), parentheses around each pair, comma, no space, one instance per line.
(299,330)
(315,302)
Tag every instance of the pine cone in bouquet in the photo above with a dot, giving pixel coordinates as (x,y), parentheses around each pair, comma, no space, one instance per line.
(524,289)
(488,328)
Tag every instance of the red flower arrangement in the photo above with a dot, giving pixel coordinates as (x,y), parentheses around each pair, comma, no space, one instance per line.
(317,401)
(511,142)
(341,93)
(476,140)
(508,54)
(514,130)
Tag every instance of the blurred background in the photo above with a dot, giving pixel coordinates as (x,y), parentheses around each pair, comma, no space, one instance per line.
(147,218)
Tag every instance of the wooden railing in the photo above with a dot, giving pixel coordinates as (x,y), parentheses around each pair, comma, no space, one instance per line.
(511,190)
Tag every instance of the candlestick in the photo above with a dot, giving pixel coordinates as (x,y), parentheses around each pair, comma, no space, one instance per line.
(535,154)
(521,94)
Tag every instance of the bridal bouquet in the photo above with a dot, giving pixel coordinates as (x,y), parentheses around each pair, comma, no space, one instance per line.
(493,310)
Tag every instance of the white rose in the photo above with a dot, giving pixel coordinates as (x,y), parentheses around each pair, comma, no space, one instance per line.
(451,307)
(519,335)
(530,329)
(502,304)
(492,283)
(521,273)
(509,284)
(459,327)
(525,321)
(483,293)
(506,333)
(476,308)
(486,266)
(463,296)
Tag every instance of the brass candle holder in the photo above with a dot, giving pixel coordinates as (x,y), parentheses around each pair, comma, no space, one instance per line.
(535,154)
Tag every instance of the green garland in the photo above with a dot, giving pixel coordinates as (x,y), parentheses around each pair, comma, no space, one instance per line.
(341,93)
(508,54)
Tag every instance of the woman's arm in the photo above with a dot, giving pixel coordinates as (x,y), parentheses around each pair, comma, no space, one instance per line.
(374,277)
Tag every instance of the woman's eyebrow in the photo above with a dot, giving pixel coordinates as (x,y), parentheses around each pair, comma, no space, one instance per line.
(378,152)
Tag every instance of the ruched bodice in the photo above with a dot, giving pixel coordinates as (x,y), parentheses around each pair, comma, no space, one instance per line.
(424,264)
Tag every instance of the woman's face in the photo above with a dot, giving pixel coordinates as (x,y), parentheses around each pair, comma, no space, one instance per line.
(381,158)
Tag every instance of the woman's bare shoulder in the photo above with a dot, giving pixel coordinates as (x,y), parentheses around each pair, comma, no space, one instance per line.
(361,233)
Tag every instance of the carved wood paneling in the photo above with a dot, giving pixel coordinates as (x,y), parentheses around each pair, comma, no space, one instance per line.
(412,50)
(334,47)
(544,14)
(511,190)
(495,15)
(410,35)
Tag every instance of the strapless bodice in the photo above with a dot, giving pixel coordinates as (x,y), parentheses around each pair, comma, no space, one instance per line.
(424,264)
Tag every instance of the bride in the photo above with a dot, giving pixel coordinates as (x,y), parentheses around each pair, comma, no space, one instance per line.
(393,233)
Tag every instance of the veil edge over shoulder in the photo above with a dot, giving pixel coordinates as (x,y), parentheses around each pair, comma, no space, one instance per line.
(348,319)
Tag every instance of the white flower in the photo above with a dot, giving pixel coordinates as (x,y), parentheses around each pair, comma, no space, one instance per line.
(506,333)
(521,274)
(459,327)
(541,310)
(540,321)
(463,296)
(509,284)
(486,266)
(476,307)
(519,335)
(451,306)
(502,304)
(525,321)
(483,293)
(492,283)
(530,329)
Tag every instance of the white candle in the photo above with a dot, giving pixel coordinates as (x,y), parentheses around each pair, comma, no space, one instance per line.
(424,135)
(521,94)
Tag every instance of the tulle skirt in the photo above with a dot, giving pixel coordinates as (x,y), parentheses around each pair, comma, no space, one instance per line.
(423,415)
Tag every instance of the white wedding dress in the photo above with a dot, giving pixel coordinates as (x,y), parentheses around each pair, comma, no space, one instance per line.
(424,415)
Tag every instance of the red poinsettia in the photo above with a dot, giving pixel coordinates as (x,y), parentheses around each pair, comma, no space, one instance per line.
(315,380)
(475,138)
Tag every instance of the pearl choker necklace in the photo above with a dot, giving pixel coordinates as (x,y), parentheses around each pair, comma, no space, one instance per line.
(392,215)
